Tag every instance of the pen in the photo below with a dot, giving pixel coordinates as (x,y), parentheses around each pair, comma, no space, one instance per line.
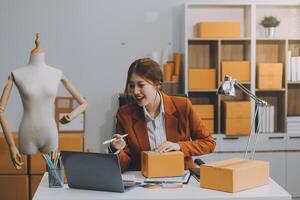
(111,140)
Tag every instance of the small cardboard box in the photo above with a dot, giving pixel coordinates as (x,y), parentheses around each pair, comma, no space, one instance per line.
(71,141)
(162,164)
(205,111)
(210,124)
(202,78)
(269,75)
(239,70)
(219,30)
(37,164)
(34,183)
(6,165)
(234,175)
(14,187)
(237,117)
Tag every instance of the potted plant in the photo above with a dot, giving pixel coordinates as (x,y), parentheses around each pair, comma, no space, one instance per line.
(270,23)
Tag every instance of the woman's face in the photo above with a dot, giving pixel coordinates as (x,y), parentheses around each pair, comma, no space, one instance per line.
(142,89)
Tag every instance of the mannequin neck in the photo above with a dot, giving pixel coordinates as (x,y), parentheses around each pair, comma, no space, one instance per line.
(37,59)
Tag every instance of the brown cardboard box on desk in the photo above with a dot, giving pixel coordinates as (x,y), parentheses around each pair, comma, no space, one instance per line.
(219,30)
(162,164)
(270,75)
(234,175)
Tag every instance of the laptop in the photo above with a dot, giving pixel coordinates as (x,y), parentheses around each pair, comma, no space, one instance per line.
(94,171)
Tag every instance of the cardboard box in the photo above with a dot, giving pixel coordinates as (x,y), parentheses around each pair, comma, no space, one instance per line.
(237,117)
(34,183)
(234,175)
(71,142)
(6,165)
(219,30)
(239,70)
(14,187)
(37,164)
(269,75)
(205,111)
(210,124)
(162,164)
(202,78)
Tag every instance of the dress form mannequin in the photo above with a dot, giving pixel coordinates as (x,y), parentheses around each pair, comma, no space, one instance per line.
(37,84)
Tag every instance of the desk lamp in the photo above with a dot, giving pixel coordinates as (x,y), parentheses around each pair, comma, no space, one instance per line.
(227,88)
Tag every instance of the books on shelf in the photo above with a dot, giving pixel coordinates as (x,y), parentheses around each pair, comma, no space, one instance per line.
(293,67)
(266,117)
(293,124)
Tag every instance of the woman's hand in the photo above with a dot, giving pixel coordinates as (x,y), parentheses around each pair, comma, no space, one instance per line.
(119,143)
(16,157)
(167,146)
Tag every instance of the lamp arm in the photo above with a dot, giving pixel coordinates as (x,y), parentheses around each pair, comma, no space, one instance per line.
(248,92)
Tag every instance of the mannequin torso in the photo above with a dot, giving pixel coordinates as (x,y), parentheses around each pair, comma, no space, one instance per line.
(37,84)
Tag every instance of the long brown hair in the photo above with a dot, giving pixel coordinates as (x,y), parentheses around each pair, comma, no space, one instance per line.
(147,69)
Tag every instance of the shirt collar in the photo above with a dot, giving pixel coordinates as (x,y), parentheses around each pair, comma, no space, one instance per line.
(161,110)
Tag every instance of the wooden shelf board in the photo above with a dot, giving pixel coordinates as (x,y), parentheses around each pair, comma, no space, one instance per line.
(294,83)
(202,90)
(270,90)
(221,39)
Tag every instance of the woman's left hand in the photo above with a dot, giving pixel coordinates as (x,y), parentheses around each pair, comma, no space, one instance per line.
(167,146)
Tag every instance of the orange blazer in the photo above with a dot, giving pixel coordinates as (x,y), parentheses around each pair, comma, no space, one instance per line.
(183,126)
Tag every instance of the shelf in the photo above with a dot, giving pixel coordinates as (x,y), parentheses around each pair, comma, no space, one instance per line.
(219,39)
(251,46)
(270,90)
(203,90)
(294,83)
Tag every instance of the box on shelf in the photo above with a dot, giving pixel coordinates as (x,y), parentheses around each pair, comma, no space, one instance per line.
(6,165)
(237,117)
(239,70)
(219,30)
(37,164)
(34,183)
(206,112)
(71,142)
(269,75)
(162,164)
(234,175)
(14,187)
(202,78)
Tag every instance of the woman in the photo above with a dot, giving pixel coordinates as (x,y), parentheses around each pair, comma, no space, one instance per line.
(156,121)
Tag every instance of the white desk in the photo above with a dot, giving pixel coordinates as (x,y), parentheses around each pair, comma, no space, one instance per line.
(190,191)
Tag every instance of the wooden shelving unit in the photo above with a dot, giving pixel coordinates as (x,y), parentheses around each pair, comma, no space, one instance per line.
(252,46)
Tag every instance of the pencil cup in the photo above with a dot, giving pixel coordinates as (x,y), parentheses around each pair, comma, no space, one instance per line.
(56,178)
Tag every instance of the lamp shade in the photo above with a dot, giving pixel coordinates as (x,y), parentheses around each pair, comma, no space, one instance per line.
(227,87)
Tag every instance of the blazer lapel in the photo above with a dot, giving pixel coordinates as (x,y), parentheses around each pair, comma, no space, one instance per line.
(171,122)
(140,129)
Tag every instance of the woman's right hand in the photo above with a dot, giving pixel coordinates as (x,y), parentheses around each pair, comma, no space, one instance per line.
(119,143)
(16,157)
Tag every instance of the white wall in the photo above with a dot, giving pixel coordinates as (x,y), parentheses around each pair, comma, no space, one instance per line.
(93,42)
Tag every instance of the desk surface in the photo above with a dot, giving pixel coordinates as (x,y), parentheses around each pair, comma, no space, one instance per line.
(191,191)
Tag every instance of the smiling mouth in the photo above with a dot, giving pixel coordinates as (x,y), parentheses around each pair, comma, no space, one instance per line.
(139,98)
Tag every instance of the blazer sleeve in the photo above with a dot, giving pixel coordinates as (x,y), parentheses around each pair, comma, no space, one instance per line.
(125,154)
(201,141)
